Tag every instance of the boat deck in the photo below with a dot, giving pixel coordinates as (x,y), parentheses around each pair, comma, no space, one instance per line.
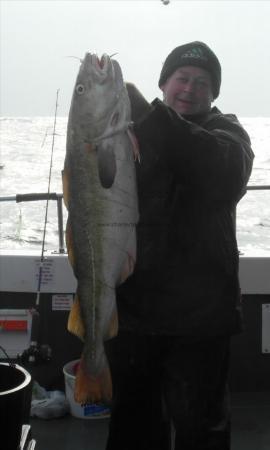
(250,427)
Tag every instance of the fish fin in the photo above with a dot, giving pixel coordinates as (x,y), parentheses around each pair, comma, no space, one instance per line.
(75,323)
(69,243)
(135,145)
(113,326)
(92,389)
(127,268)
(106,165)
(65,185)
(130,260)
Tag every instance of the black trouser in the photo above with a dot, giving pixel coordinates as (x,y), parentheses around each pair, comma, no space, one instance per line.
(158,379)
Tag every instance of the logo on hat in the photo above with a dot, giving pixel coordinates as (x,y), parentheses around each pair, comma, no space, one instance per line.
(196,53)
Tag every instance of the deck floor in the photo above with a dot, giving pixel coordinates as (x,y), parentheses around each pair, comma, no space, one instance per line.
(250,427)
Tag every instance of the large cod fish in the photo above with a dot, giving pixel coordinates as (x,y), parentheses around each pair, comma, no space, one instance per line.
(100,194)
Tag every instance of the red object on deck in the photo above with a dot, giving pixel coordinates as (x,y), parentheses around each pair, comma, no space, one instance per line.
(13,325)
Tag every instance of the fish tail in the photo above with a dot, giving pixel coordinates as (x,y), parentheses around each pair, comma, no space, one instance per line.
(90,388)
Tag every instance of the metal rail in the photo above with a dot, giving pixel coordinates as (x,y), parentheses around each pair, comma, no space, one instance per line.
(59,197)
(43,196)
(261,187)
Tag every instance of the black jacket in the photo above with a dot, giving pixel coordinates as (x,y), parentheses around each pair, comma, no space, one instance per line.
(190,178)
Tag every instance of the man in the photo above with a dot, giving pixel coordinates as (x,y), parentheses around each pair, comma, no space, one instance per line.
(179,308)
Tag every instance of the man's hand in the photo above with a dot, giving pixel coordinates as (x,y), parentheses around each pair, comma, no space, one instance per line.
(139,105)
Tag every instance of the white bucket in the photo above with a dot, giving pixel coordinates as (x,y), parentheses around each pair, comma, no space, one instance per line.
(89,411)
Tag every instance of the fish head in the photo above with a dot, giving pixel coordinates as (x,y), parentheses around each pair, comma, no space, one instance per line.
(99,87)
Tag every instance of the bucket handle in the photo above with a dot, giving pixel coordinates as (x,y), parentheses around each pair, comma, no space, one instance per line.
(7,356)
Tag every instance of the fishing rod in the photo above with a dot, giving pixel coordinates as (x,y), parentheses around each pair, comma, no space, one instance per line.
(34,354)
(47,205)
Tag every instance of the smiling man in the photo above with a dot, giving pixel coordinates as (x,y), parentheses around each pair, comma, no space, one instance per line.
(190,79)
(188,91)
(182,304)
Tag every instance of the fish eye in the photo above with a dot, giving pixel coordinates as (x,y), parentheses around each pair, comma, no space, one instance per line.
(80,89)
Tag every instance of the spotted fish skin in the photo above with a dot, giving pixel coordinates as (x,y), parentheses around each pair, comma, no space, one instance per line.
(100,193)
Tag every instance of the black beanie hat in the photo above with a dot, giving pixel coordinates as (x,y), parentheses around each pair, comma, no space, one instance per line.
(193,54)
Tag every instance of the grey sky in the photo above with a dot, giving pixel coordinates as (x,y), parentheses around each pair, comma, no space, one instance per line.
(37,36)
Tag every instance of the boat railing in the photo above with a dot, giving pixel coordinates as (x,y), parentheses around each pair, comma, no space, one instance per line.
(58,197)
(261,187)
(44,196)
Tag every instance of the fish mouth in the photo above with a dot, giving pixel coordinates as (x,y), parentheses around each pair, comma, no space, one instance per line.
(96,68)
(101,61)
(100,64)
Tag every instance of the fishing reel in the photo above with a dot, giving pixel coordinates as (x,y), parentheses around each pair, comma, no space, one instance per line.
(36,354)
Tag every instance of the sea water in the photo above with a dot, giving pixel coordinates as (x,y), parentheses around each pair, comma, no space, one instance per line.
(25,161)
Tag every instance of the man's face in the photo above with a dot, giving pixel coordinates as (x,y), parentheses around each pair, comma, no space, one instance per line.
(188,90)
